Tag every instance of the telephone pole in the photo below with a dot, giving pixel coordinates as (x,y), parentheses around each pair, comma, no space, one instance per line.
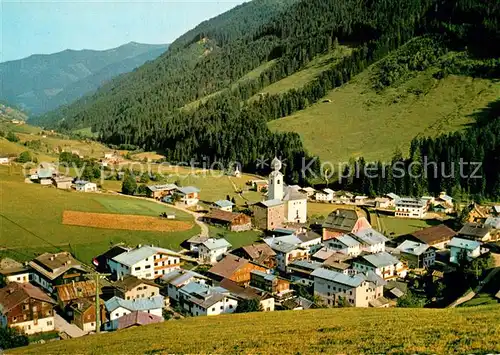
(96,276)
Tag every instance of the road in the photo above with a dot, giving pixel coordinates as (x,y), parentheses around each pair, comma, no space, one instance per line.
(478,289)
(62,326)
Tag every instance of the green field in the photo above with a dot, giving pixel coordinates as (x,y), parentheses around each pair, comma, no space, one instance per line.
(30,220)
(332,331)
(361,122)
(237,239)
(392,226)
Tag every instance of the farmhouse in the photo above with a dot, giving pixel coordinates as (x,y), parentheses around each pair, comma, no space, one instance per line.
(50,270)
(63,182)
(342,221)
(417,255)
(360,290)
(212,250)
(383,264)
(269,215)
(224,205)
(130,288)
(436,236)
(145,262)
(158,192)
(236,222)
(26,307)
(260,254)
(407,207)
(85,186)
(235,269)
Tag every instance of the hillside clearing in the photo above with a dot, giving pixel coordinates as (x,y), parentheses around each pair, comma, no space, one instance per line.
(334,331)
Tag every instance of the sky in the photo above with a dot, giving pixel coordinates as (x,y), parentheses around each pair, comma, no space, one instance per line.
(49,26)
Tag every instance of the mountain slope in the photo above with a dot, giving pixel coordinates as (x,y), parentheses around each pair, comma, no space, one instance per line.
(43,82)
(331,331)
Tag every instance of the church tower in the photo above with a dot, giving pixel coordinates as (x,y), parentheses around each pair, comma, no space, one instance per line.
(275,187)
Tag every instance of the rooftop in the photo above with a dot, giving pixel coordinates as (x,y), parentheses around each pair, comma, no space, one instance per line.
(348,240)
(380,259)
(434,235)
(228,266)
(130,282)
(258,252)
(166,187)
(271,203)
(15,293)
(142,304)
(330,275)
(410,201)
(137,318)
(474,230)
(188,190)
(342,219)
(280,246)
(414,248)
(213,244)
(133,256)
(54,265)
(464,243)
(370,236)
(223,203)
(224,216)
(305,264)
(76,290)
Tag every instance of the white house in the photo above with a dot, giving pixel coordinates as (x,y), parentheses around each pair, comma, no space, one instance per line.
(85,186)
(383,264)
(325,195)
(178,279)
(417,255)
(309,191)
(203,300)
(144,262)
(189,195)
(371,241)
(345,244)
(117,308)
(457,246)
(212,250)
(4,160)
(360,290)
(360,200)
(17,274)
(224,205)
(286,253)
(407,207)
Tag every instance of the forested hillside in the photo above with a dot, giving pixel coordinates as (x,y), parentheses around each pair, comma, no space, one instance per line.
(41,83)
(145,108)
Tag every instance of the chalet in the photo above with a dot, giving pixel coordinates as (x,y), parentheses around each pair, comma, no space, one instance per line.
(235,269)
(158,192)
(475,231)
(85,186)
(213,250)
(84,313)
(286,253)
(180,278)
(325,195)
(189,195)
(235,222)
(407,207)
(371,241)
(203,300)
(383,264)
(342,221)
(224,205)
(269,215)
(117,307)
(392,198)
(346,244)
(146,262)
(300,271)
(19,274)
(309,191)
(260,254)
(445,201)
(63,182)
(130,288)
(266,300)
(70,292)
(50,270)
(417,255)
(195,242)
(436,236)
(269,282)
(26,307)
(383,203)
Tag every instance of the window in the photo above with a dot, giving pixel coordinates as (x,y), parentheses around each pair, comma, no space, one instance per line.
(146,259)
(137,268)
(213,309)
(49,323)
(19,279)
(34,309)
(147,267)
(231,307)
(221,308)
(26,307)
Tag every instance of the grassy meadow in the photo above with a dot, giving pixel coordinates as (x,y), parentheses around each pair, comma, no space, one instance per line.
(333,331)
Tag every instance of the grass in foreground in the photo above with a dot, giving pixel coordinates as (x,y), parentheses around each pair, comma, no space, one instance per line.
(334,331)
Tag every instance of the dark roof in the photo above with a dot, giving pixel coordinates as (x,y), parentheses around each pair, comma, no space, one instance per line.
(14,271)
(308,236)
(15,293)
(434,235)
(136,319)
(474,230)
(76,290)
(228,266)
(342,219)
(129,282)
(111,253)
(246,293)
(258,252)
(296,302)
(54,265)
(224,216)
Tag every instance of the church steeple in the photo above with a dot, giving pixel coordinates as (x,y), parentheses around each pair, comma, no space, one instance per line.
(276,187)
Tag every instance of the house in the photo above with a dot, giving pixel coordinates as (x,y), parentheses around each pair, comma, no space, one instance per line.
(408,207)
(213,250)
(145,262)
(300,271)
(203,300)
(342,197)
(235,269)
(443,203)
(417,255)
(70,292)
(85,186)
(360,290)
(63,182)
(135,319)
(323,254)
(44,176)
(360,200)
(117,307)
(309,240)
(297,304)
(458,246)
(342,221)
(19,274)
(286,253)
(269,214)
(84,313)
(50,270)
(224,205)
(130,288)
(393,198)
(180,278)
(383,203)
(266,300)
(235,222)
(260,254)
(195,242)
(371,241)
(346,244)
(325,195)
(309,191)
(492,223)
(101,262)
(269,282)
(189,195)
(258,185)
(394,290)
(158,192)
(478,213)
(4,160)
(26,307)
(383,264)
(436,236)
(475,231)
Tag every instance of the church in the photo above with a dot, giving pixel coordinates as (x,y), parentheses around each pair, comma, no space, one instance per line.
(294,201)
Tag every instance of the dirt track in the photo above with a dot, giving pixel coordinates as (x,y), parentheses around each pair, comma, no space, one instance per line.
(124,222)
